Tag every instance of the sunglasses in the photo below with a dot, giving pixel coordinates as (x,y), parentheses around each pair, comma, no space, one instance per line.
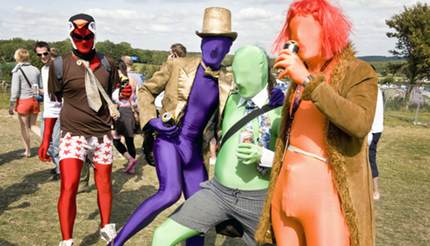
(79,37)
(42,54)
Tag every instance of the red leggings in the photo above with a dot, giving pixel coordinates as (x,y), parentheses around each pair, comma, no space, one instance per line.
(70,170)
(305,205)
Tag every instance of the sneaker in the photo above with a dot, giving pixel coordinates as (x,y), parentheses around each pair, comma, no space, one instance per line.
(68,242)
(108,232)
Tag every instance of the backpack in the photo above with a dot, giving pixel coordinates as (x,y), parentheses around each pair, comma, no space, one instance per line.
(58,65)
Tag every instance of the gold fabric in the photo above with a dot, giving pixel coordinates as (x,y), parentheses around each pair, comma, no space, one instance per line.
(175,78)
(209,71)
(217,22)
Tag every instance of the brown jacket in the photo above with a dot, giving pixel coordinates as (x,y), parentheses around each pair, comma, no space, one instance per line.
(176,78)
(348,102)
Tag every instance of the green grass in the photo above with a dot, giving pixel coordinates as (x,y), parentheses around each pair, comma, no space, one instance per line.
(405,118)
(403,213)
(147,69)
(4,99)
(28,198)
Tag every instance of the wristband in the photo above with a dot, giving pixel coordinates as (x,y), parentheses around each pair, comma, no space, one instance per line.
(307,80)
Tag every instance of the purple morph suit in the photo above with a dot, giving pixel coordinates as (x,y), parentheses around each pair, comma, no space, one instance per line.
(178,150)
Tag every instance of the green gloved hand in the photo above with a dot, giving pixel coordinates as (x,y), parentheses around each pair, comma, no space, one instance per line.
(249,153)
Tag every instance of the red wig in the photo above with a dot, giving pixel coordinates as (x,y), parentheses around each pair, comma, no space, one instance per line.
(335,26)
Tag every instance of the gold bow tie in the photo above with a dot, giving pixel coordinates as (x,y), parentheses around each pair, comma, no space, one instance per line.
(210,72)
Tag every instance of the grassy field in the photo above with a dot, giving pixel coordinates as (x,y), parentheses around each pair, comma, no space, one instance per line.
(28,197)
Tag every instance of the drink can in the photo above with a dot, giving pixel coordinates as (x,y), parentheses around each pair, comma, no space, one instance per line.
(246,136)
(292,46)
(35,89)
(168,119)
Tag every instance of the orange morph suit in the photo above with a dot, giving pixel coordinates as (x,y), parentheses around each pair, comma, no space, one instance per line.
(306,209)
(305,205)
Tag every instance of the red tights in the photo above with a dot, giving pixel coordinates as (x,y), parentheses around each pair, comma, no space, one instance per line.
(70,170)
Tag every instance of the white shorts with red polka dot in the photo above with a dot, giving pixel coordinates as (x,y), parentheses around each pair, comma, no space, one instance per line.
(78,147)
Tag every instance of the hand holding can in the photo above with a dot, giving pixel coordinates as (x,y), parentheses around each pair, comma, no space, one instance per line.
(246,136)
(168,119)
(35,90)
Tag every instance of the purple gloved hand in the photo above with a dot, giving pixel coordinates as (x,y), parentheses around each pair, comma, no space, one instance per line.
(163,131)
(214,49)
(276,98)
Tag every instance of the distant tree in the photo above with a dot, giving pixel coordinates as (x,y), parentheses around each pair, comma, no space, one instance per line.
(387,80)
(63,47)
(152,58)
(412,31)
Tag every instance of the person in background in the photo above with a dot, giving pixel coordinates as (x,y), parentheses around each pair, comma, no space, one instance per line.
(373,139)
(54,53)
(177,50)
(125,97)
(132,74)
(51,112)
(26,86)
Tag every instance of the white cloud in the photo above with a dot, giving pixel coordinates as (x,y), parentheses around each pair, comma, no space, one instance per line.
(152,24)
(159,28)
(378,4)
(119,14)
(253,14)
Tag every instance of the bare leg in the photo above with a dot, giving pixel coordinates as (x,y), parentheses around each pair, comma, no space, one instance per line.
(25,132)
(33,124)
(376,194)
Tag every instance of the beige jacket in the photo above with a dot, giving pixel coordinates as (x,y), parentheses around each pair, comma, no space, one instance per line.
(176,78)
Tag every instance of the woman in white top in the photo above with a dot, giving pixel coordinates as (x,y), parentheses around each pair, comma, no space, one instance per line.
(125,97)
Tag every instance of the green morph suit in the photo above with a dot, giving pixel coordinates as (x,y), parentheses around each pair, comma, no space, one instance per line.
(236,162)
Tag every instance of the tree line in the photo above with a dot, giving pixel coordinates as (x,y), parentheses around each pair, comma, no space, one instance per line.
(150,59)
(8,47)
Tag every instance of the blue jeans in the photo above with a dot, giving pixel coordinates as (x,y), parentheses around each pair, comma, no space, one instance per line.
(54,145)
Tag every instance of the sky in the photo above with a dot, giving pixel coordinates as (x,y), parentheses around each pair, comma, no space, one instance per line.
(156,24)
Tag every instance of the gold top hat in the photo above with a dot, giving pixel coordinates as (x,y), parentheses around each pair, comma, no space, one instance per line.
(217,22)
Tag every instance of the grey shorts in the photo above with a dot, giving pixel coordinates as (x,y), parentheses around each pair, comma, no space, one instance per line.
(215,203)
